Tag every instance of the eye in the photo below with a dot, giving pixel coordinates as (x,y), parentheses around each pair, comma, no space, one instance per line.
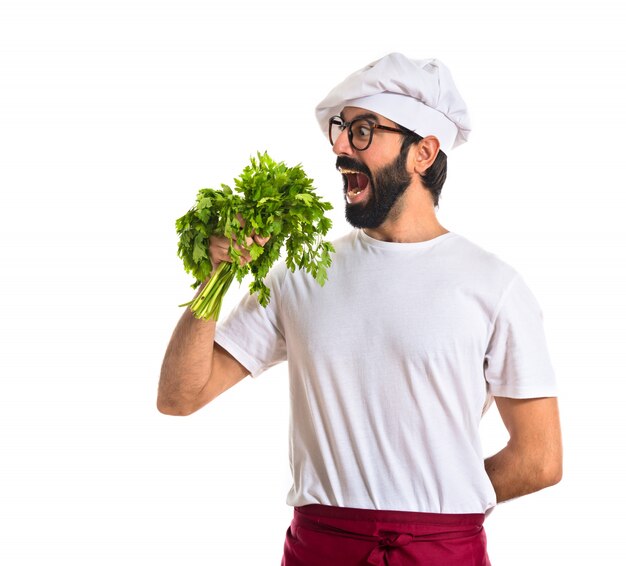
(361,129)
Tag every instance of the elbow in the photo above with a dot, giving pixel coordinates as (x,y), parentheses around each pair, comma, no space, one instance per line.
(552,474)
(547,473)
(175,400)
(174,410)
(176,407)
(553,465)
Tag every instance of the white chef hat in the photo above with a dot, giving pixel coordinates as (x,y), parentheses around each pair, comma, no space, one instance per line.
(417,94)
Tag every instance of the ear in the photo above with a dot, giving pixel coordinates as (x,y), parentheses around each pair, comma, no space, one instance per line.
(424,154)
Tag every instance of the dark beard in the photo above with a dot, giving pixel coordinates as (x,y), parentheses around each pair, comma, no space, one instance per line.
(386,187)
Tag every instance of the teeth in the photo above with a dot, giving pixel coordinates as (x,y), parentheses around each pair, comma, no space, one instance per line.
(352,193)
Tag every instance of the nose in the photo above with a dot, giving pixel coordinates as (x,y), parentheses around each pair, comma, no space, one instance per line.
(342,144)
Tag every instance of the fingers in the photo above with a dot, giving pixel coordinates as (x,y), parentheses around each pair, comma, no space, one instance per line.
(219,249)
(259,240)
(255,237)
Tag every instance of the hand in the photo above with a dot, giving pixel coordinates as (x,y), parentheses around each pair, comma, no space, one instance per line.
(219,246)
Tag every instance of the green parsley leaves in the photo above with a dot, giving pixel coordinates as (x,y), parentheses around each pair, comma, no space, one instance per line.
(273,201)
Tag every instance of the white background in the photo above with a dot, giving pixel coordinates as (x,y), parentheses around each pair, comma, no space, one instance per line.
(114,113)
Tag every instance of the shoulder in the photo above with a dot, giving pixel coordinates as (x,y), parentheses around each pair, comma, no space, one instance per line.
(473,259)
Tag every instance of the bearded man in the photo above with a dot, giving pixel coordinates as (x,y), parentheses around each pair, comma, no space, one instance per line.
(394,361)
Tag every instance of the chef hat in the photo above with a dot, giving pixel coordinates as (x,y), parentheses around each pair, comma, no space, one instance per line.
(417,94)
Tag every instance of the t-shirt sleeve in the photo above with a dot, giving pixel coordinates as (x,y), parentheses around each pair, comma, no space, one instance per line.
(253,334)
(517,362)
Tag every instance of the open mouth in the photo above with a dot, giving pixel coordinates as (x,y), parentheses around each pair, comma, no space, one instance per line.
(355,184)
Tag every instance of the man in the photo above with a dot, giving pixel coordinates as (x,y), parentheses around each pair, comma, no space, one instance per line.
(393,362)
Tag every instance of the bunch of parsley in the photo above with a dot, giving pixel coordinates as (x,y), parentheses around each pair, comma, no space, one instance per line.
(271,200)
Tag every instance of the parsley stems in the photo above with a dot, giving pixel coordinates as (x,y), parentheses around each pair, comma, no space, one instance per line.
(208,303)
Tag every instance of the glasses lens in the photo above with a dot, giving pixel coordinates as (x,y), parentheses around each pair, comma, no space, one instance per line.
(335,127)
(361,134)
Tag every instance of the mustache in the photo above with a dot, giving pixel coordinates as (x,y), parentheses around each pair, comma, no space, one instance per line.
(348,163)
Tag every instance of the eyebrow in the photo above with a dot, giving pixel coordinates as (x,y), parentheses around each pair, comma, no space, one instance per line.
(364,116)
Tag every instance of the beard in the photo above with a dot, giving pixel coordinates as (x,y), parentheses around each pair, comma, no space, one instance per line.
(386,187)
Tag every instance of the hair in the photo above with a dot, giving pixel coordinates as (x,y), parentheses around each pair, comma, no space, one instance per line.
(435,176)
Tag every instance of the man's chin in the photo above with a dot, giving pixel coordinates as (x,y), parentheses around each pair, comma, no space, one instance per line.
(358,217)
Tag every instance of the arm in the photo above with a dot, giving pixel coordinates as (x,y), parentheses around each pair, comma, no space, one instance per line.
(533,457)
(195,370)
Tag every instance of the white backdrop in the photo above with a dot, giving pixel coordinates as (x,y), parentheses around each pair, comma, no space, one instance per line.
(113,113)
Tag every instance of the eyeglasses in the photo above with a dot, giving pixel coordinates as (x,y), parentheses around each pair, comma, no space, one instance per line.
(360,131)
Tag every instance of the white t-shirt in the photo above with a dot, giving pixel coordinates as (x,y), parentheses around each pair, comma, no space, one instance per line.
(391,366)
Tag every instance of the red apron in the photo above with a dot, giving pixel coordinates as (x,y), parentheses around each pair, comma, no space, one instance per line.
(320,535)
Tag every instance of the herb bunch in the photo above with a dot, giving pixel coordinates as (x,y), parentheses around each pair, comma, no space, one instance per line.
(271,200)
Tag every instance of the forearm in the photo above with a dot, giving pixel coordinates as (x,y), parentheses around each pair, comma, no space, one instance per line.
(515,472)
(533,457)
(507,476)
(186,367)
(195,370)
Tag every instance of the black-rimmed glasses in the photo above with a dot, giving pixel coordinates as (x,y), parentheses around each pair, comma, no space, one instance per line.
(360,131)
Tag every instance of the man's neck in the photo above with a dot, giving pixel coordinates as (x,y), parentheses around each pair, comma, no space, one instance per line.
(412,220)
(409,235)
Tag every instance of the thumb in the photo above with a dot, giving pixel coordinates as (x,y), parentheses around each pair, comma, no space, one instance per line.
(260,240)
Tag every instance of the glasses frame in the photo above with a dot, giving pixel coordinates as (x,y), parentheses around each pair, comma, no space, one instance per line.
(373,126)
